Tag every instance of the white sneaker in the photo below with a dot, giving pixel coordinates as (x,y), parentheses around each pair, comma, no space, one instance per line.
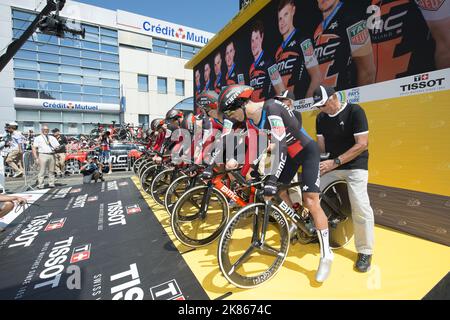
(18,174)
(324,268)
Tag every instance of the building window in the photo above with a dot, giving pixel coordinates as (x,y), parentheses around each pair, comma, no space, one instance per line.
(142,83)
(179,87)
(143,119)
(162,85)
(68,68)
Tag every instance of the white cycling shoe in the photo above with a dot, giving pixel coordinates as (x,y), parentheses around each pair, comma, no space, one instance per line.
(324,268)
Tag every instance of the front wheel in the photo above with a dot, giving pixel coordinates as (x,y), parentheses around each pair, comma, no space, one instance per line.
(244,259)
(336,205)
(178,187)
(199,216)
(160,184)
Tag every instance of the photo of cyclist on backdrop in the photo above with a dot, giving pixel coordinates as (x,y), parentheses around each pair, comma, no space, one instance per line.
(219,79)
(259,70)
(207,77)
(401,40)
(198,82)
(234,74)
(295,56)
(343,46)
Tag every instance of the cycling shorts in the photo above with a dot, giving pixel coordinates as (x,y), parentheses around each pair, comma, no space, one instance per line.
(309,159)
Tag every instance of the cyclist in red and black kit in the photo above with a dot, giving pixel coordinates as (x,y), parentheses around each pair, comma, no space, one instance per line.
(343,46)
(290,149)
(233,75)
(259,74)
(295,57)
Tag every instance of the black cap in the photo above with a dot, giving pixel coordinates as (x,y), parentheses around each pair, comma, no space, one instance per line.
(286,94)
(321,95)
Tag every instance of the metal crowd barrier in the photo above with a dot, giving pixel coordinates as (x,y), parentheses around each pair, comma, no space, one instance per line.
(31,170)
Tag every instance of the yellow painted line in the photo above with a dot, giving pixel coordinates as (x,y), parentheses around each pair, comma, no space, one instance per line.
(403,267)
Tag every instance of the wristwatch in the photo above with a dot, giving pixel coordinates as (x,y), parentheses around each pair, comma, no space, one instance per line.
(337,161)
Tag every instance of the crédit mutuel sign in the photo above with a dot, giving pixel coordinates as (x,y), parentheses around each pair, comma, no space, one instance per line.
(162,29)
(68,106)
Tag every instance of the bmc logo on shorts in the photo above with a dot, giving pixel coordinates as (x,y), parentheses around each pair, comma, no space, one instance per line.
(431,5)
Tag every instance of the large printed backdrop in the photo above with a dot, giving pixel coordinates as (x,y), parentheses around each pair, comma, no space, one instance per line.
(106,231)
(401,44)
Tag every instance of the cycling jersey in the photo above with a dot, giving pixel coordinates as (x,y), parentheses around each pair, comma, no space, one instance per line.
(218,83)
(234,76)
(260,79)
(208,86)
(401,41)
(294,56)
(336,39)
(212,130)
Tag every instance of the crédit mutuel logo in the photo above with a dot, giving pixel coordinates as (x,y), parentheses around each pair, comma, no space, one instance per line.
(178,33)
(70,106)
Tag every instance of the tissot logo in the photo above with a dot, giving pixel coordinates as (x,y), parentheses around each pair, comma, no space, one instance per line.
(29,234)
(422,81)
(55,224)
(170,31)
(81,253)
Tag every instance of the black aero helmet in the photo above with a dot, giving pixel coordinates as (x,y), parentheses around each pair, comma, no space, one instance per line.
(207,100)
(174,114)
(155,124)
(234,96)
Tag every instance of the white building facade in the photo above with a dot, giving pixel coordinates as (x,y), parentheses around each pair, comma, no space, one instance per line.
(128,68)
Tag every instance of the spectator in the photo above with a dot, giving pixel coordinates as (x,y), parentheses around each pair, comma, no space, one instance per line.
(16,141)
(60,153)
(105,141)
(45,146)
(7,204)
(92,170)
(3,153)
(343,131)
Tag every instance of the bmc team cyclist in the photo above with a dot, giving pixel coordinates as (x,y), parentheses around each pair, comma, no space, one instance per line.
(291,148)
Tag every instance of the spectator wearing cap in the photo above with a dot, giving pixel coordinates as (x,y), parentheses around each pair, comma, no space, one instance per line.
(60,153)
(16,146)
(343,131)
(44,147)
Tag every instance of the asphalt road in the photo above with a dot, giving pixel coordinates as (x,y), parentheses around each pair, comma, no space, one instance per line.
(15,185)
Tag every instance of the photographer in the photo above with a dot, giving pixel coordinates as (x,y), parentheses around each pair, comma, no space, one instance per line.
(92,170)
(60,153)
(105,141)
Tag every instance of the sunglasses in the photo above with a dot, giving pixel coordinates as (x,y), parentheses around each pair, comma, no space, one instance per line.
(229,112)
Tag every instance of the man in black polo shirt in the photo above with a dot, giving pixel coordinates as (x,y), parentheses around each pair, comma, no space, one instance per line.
(343,131)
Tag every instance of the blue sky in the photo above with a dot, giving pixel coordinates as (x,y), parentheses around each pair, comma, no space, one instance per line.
(200,14)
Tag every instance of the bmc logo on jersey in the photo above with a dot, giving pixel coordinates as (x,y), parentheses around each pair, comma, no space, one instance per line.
(358,33)
(432,5)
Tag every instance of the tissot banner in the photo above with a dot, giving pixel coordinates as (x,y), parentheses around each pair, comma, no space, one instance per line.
(295,45)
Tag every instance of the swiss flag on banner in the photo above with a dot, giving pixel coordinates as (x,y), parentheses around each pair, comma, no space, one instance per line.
(55,224)
(133,209)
